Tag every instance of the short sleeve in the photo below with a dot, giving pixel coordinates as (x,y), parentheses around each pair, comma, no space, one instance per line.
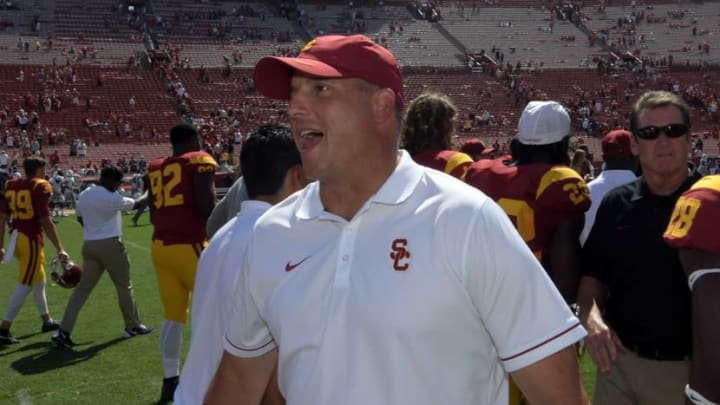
(247,334)
(124,203)
(518,303)
(562,189)
(41,196)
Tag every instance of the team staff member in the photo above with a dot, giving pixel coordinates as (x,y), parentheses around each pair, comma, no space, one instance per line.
(633,297)
(182,194)
(427,130)
(541,194)
(620,167)
(98,211)
(692,227)
(382,277)
(272,170)
(26,202)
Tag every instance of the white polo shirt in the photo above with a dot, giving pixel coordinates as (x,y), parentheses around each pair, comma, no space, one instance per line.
(100,211)
(217,271)
(606,181)
(427,296)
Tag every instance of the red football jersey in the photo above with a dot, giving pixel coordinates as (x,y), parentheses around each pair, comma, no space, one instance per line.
(537,197)
(451,162)
(175,216)
(696,218)
(26,201)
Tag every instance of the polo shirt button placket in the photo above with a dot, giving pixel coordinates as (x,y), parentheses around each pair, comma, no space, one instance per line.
(346,247)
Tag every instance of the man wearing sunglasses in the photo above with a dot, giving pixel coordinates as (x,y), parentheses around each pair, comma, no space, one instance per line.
(633,298)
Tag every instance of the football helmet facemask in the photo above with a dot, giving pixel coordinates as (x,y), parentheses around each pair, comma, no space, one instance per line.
(65,273)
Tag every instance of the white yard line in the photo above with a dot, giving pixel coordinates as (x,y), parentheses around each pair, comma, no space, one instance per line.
(136,246)
(23,397)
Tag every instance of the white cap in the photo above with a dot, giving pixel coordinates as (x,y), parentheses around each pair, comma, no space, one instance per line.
(543,123)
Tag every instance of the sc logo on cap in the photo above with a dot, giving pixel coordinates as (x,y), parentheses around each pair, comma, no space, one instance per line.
(309,45)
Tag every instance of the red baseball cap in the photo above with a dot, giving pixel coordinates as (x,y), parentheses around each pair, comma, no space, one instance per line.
(332,56)
(473,146)
(616,144)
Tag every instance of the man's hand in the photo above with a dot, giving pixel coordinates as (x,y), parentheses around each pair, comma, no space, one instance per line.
(2,254)
(63,256)
(601,342)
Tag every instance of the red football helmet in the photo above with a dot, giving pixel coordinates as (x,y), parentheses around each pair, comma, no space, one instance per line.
(65,273)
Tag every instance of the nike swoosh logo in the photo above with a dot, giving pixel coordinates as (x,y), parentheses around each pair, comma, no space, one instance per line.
(290,267)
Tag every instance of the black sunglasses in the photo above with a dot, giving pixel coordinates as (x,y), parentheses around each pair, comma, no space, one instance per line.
(671,130)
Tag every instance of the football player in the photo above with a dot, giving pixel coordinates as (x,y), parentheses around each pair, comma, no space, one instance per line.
(25,201)
(427,130)
(68,187)
(692,229)
(182,195)
(544,197)
(57,198)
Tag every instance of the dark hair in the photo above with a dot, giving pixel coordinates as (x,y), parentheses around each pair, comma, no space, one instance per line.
(111,172)
(182,133)
(266,156)
(429,123)
(553,153)
(31,165)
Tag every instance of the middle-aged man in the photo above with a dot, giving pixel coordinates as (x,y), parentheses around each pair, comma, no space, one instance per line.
(385,281)
(98,211)
(620,167)
(633,297)
(694,223)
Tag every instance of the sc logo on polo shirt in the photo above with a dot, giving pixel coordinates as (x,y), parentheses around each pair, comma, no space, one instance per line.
(400,255)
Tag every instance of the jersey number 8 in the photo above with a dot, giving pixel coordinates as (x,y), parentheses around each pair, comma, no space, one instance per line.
(682,217)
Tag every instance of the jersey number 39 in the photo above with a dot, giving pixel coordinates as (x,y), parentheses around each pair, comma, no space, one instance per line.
(20,204)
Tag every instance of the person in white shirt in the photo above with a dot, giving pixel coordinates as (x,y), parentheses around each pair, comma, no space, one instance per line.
(98,210)
(271,164)
(385,282)
(4,160)
(620,166)
(82,149)
(57,199)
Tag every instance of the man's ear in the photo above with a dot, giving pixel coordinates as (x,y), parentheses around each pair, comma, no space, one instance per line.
(384,105)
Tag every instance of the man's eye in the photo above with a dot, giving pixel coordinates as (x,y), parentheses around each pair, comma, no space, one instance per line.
(321,87)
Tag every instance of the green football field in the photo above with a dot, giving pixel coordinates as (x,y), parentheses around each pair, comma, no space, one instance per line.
(104,368)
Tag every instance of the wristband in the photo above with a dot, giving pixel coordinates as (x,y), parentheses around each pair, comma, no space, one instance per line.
(695,275)
(697,398)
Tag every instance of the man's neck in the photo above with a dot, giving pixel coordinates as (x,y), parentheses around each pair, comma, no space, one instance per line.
(346,196)
(663,185)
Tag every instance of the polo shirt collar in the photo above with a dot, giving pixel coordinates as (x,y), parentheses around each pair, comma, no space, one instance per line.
(396,189)
(254,205)
(642,190)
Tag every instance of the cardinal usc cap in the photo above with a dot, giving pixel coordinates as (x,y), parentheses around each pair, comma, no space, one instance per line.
(332,56)
(616,144)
